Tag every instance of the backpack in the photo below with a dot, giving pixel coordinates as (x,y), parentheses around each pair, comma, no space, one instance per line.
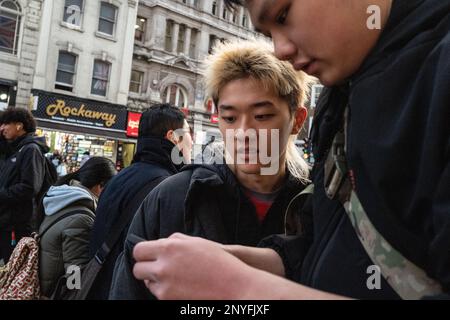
(50,176)
(19,279)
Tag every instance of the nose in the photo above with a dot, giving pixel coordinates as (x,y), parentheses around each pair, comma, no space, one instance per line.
(284,48)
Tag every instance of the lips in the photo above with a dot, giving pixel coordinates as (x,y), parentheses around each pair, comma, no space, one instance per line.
(304,66)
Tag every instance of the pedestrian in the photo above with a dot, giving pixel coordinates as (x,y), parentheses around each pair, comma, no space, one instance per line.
(3,143)
(69,213)
(243,199)
(381,128)
(21,178)
(85,157)
(162,129)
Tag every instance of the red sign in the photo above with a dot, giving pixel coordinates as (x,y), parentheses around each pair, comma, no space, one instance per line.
(133,124)
(214,118)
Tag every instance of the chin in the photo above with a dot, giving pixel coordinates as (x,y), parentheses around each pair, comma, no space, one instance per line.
(249,168)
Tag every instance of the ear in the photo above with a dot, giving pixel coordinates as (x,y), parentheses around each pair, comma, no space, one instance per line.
(170,135)
(299,119)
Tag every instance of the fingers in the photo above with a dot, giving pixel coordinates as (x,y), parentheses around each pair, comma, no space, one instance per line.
(147,250)
(180,236)
(146,271)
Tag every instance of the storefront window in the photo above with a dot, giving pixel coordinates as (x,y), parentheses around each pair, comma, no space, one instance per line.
(72,147)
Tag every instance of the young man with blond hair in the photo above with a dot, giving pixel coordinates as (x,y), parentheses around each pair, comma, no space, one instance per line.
(260,101)
(381,206)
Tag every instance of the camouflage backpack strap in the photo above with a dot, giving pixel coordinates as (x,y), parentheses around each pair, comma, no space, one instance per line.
(292,222)
(407,279)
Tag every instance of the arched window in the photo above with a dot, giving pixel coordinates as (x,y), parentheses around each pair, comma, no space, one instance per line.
(176,96)
(9,26)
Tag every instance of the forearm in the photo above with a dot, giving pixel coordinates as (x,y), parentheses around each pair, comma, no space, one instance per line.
(261,285)
(259,258)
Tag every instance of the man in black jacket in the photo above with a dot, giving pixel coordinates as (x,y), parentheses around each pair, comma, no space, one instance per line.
(387,68)
(161,129)
(21,177)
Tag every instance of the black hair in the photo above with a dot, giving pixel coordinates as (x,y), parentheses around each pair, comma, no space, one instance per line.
(97,170)
(1,117)
(19,115)
(160,118)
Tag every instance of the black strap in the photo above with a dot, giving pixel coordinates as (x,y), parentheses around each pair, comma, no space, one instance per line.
(73,211)
(127,214)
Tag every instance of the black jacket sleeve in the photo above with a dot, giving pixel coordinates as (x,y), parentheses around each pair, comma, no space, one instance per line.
(31,168)
(144,227)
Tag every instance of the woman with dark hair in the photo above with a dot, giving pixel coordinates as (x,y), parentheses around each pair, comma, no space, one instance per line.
(69,209)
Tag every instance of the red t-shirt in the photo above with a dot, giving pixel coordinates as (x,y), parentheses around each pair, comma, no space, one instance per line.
(261,201)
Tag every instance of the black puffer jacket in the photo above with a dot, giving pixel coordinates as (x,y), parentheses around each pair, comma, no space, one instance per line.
(152,162)
(399,152)
(205,201)
(21,179)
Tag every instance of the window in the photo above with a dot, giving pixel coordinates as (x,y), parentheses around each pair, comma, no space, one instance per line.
(214,8)
(315,94)
(9,26)
(224,13)
(195,3)
(136,81)
(141,24)
(73,11)
(100,77)
(193,46)
(107,20)
(245,21)
(66,71)
(212,42)
(169,35)
(176,96)
(181,38)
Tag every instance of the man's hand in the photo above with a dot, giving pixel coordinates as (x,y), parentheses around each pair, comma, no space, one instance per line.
(183,267)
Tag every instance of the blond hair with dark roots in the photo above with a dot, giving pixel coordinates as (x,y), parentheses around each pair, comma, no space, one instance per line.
(239,59)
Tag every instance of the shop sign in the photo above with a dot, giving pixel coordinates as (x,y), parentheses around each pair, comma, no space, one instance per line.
(76,111)
(133,124)
(214,118)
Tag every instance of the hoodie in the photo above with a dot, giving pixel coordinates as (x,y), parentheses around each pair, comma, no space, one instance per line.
(66,242)
(398,148)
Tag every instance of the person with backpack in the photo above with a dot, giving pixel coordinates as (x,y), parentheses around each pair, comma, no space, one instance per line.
(244,197)
(4,150)
(22,178)
(162,129)
(69,208)
(380,208)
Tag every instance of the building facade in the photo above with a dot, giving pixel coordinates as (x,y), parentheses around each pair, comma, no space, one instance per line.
(81,77)
(172,37)
(19,38)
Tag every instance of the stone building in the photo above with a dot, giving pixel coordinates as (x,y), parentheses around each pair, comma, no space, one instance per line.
(172,37)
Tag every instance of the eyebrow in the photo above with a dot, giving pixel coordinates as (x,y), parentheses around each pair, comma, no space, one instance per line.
(262,15)
(261,104)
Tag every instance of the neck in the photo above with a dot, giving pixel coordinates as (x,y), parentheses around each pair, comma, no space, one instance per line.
(261,183)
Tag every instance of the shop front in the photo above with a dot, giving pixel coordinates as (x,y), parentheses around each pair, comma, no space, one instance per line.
(77,128)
